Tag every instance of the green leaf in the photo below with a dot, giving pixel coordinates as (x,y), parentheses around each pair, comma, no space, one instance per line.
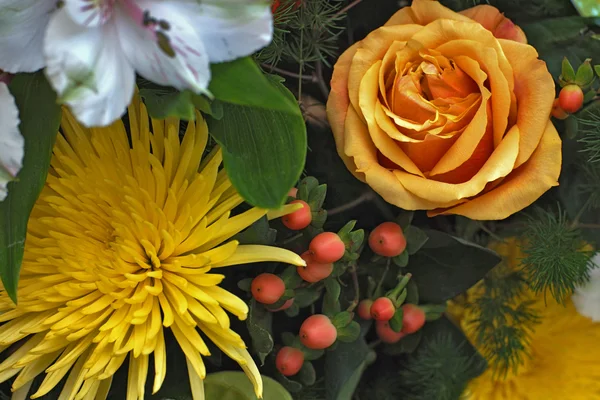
(567,72)
(585,74)
(258,233)
(447,266)
(235,385)
(318,218)
(341,319)
(307,374)
(310,354)
(597,69)
(396,321)
(402,259)
(415,239)
(412,291)
(290,277)
(407,344)
(306,296)
(288,338)
(349,333)
(306,186)
(404,219)
(259,325)
(208,107)
(344,367)
(292,311)
(263,151)
(245,284)
(40,118)
(163,102)
(289,384)
(356,240)
(316,197)
(242,83)
(331,300)
(346,229)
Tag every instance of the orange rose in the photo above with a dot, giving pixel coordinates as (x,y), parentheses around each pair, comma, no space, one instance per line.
(434,112)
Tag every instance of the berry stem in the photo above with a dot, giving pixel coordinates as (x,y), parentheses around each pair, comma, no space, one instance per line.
(398,289)
(356,288)
(380,283)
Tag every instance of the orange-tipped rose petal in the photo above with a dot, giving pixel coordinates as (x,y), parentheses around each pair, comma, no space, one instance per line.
(521,188)
(493,20)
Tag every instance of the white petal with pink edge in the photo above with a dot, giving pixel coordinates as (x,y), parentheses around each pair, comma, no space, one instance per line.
(88,70)
(164,47)
(22,27)
(90,12)
(12,144)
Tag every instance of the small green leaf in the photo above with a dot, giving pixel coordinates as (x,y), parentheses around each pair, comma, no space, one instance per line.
(235,385)
(259,325)
(292,311)
(288,338)
(341,319)
(402,259)
(289,384)
(241,82)
(306,296)
(318,218)
(306,186)
(404,219)
(346,229)
(245,284)
(163,102)
(311,354)
(407,344)
(316,197)
(349,333)
(263,150)
(258,233)
(307,374)
(396,321)
(290,277)
(331,302)
(585,74)
(415,239)
(597,69)
(40,119)
(356,240)
(568,73)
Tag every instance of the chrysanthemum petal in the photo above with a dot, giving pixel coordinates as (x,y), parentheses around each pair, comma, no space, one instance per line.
(196,382)
(246,254)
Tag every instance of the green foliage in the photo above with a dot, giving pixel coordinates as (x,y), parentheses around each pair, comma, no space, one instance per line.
(263,150)
(259,324)
(305,34)
(555,260)
(502,320)
(446,266)
(40,118)
(438,370)
(235,385)
(588,124)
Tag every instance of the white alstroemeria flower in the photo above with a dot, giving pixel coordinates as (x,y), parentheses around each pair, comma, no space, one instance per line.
(587,297)
(93,48)
(11,142)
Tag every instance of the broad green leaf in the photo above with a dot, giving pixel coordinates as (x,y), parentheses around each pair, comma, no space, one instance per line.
(167,102)
(415,239)
(235,385)
(40,119)
(447,266)
(241,82)
(263,150)
(587,8)
(345,365)
(259,325)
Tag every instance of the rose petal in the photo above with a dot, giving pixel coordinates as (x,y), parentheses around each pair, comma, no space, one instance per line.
(521,188)
(88,70)
(534,90)
(23,24)
(426,11)
(149,52)
(492,20)
(12,144)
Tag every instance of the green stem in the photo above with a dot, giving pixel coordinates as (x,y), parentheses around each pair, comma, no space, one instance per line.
(380,283)
(401,285)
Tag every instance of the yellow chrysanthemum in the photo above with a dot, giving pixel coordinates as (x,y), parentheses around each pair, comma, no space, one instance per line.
(564,349)
(122,243)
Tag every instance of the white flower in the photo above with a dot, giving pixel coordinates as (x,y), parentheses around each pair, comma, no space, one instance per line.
(587,297)
(93,48)
(11,142)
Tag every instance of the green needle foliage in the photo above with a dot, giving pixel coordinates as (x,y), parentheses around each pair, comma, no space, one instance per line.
(304,34)
(589,127)
(502,320)
(439,370)
(554,256)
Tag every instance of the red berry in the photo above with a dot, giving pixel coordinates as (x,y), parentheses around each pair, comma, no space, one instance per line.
(558,112)
(288,303)
(289,360)
(570,98)
(383,309)
(267,288)
(327,247)
(314,271)
(386,333)
(317,332)
(364,309)
(299,219)
(387,240)
(413,318)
